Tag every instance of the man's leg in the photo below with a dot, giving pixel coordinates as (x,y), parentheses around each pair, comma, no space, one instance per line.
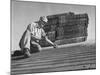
(35,47)
(25,43)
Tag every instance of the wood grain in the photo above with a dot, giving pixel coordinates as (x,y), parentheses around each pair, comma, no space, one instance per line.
(80,57)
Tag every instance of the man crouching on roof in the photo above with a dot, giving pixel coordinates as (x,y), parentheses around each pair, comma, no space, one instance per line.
(32,35)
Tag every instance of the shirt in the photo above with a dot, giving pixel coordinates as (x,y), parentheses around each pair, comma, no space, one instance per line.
(36,31)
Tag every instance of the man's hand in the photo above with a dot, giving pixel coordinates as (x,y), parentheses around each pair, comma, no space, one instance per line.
(55,46)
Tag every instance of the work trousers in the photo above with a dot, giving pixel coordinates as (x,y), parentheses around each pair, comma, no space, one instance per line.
(27,41)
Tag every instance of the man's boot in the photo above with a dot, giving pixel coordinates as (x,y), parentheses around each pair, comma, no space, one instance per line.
(26,53)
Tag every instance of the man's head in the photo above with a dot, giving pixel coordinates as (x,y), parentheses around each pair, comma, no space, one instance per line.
(43,20)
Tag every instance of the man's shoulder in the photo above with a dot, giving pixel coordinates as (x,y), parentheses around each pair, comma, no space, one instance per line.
(33,24)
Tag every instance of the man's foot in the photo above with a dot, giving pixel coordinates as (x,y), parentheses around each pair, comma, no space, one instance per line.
(27,53)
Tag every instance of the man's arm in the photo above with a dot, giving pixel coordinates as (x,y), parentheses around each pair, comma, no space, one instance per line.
(46,38)
(49,41)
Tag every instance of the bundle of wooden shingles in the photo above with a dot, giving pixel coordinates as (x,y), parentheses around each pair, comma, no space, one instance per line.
(67,26)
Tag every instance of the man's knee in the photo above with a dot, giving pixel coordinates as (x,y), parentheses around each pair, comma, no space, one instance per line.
(39,47)
(35,48)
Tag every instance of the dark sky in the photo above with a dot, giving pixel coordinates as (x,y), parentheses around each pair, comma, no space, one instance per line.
(24,13)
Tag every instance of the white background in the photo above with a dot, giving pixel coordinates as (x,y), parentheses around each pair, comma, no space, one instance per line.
(5,37)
